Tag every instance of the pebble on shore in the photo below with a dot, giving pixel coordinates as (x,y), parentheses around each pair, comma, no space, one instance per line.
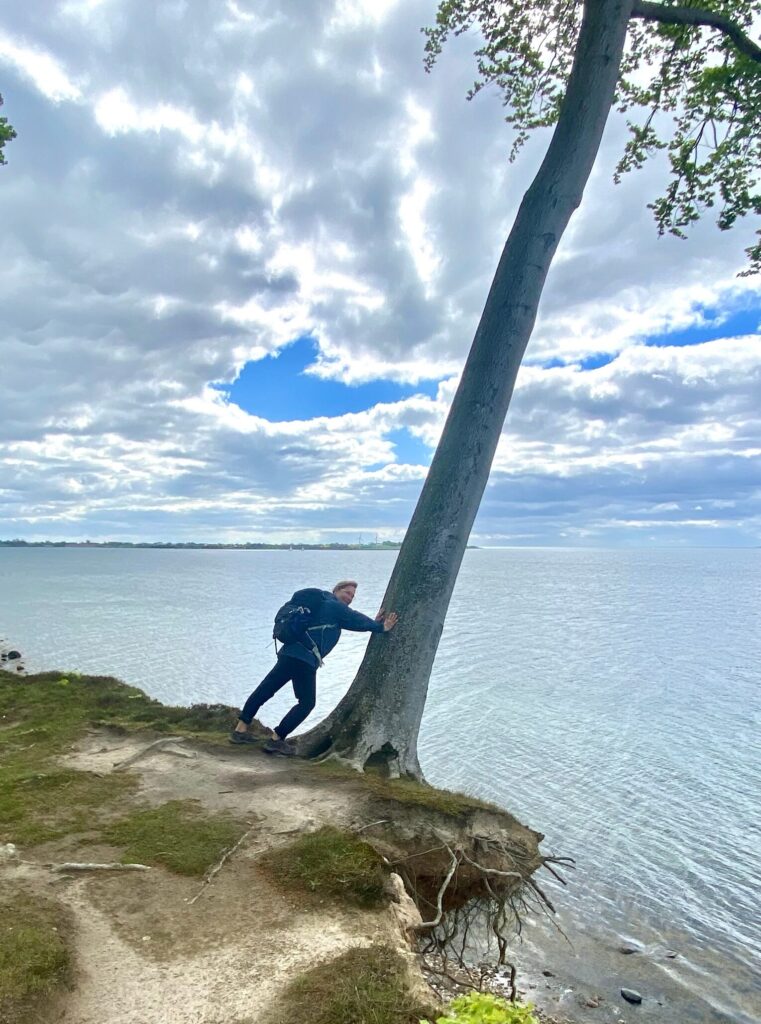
(11,660)
(631,996)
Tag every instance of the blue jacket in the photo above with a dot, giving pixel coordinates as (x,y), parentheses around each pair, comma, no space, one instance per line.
(332,616)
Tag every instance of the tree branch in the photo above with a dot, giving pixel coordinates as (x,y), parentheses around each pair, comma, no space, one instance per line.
(697,16)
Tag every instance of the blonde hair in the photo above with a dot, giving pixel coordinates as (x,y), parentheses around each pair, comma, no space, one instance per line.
(345,583)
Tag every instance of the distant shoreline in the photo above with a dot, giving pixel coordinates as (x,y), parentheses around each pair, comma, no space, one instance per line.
(385,545)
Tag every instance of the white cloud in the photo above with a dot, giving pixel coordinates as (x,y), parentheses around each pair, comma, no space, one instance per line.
(213,196)
(46,73)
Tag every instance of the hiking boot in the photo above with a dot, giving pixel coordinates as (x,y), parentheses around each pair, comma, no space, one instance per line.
(241,737)
(279,747)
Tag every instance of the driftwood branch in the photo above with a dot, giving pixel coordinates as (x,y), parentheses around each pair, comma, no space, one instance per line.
(121,765)
(697,16)
(84,866)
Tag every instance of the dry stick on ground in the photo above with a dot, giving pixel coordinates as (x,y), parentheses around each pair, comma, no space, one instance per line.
(121,765)
(218,866)
(84,866)
(190,755)
(371,824)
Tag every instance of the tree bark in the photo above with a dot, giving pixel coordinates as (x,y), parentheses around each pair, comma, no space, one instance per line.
(379,718)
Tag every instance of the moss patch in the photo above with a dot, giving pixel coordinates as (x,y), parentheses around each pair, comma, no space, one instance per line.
(178,835)
(363,986)
(34,956)
(330,863)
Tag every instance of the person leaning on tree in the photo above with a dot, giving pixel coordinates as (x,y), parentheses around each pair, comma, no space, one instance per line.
(297,663)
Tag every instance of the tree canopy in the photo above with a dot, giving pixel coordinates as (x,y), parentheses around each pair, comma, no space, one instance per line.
(689,81)
(7,134)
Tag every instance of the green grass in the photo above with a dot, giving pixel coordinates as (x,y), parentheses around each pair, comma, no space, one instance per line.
(362,986)
(178,835)
(63,704)
(42,716)
(38,806)
(411,793)
(34,957)
(330,863)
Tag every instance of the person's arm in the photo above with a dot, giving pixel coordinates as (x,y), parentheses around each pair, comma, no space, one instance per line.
(356,622)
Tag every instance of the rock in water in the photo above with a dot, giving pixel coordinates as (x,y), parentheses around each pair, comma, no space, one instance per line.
(628,950)
(631,996)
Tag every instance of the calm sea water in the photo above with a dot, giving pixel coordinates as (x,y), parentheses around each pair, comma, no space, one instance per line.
(610,699)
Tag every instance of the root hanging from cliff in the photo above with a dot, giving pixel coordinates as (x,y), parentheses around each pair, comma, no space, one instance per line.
(477,909)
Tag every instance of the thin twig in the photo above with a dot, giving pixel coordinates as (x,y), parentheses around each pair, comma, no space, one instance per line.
(217,867)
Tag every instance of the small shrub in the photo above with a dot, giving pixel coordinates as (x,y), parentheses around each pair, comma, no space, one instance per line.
(176,835)
(484,1008)
(330,863)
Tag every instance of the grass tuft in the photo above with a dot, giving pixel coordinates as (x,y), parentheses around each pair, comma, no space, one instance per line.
(34,957)
(330,863)
(177,835)
(362,986)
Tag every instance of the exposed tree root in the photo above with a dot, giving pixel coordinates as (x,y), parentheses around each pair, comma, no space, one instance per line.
(477,906)
(425,925)
(328,742)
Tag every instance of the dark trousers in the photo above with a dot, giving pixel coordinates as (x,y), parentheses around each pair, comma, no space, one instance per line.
(287,670)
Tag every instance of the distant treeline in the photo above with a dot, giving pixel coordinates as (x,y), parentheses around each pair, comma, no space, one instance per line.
(385,545)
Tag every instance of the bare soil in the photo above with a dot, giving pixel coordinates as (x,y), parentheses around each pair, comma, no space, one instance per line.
(148,949)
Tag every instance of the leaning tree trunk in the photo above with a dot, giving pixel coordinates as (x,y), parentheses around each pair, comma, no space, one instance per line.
(379,718)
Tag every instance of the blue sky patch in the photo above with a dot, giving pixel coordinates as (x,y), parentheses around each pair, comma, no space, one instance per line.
(742,321)
(278,389)
(597,360)
(410,450)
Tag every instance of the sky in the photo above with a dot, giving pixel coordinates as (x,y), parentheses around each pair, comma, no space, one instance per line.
(245,247)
